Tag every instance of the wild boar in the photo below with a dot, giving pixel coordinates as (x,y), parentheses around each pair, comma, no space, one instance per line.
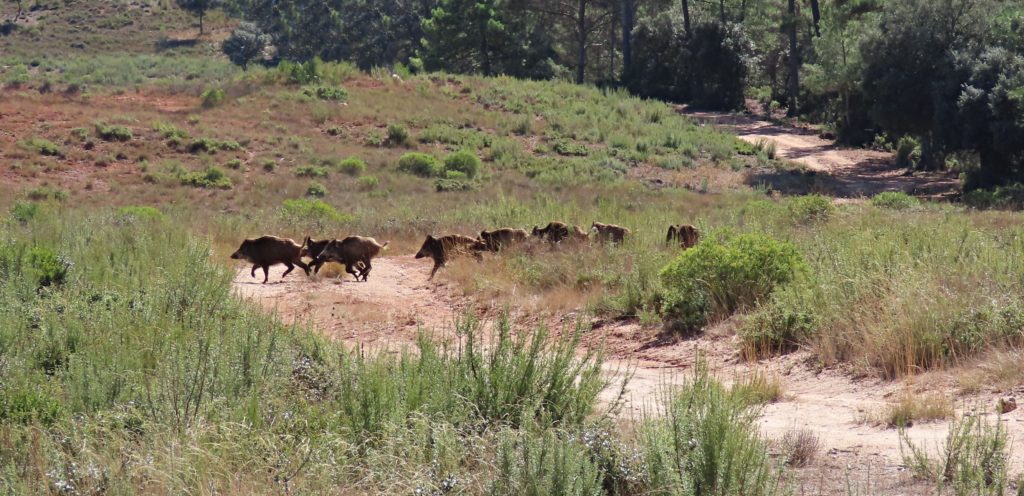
(355,252)
(270,250)
(686,235)
(444,248)
(579,235)
(498,239)
(609,232)
(553,232)
(312,248)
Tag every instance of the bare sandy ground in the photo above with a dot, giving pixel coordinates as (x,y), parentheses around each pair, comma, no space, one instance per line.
(388,313)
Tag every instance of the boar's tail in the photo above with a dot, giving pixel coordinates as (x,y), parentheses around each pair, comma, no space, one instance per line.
(385,245)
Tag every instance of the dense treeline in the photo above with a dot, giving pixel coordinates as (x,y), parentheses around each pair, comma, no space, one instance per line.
(940,80)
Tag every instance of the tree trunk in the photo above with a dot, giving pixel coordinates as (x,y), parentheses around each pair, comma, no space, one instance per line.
(816,14)
(627,32)
(201,12)
(485,50)
(721,10)
(686,17)
(581,38)
(794,60)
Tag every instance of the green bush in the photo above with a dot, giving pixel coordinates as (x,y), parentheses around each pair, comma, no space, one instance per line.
(811,208)
(169,131)
(420,164)
(352,166)
(332,93)
(367,183)
(25,405)
(464,162)
(43,193)
(974,460)
(398,135)
(316,190)
(714,279)
(896,200)
(776,328)
(311,210)
(212,97)
(210,145)
(442,185)
(47,267)
(311,171)
(234,164)
(22,212)
(212,177)
(43,146)
(567,147)
(113,133)
(546,464)
(908,152)
(1002,197)
(269,165)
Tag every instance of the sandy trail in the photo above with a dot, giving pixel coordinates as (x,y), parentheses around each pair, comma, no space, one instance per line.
(847,172)
(389,311)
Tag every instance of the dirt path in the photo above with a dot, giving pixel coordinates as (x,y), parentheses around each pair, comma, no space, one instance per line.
(388,312)
(843,172)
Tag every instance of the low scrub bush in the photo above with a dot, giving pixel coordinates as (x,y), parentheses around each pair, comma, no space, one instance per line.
(367,183)
(352,166)
(213,177)
(331,93)
(24,211)
(420,164)
(1002,197)
(895,200)
(398,135)
(908,152)
(212,97)
(811,208)
(450,184)
(569,148)
(910,408)
(776,328)
(464,162)
(210,145)
(44,193)
(47,267)
(140,213)
(316,190)
(312,211)
(42,146)
(716,278)
(974,459)
(169,131)
(234,163)
(311,171)
(547,464)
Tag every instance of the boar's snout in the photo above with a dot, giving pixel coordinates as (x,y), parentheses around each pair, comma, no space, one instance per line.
(236,255)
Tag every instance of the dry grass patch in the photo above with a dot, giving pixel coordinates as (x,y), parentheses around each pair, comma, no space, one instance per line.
(909,408)
(759,387)
(800,447)
(1000,370)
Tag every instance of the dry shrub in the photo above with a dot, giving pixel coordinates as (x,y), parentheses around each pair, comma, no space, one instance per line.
(800,447)
(909,408)
(759,387)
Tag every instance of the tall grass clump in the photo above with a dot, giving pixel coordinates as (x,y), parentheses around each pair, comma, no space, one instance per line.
(709,282)
(707,442)
(895,200)
(811,208)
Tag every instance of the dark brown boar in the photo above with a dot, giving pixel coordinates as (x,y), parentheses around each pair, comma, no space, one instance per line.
(312,248)
(686,235)
(609,232)
(443,248)
(499,239)
(270,250)
(354,252)
(553,232)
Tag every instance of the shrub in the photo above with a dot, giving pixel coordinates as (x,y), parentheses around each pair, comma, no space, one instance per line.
(896,200)
(776,328)
(567,147)
(352,166)
(140,213)
(420,164)
(43,193)
(973,460)
(544,464)
(210,145)
(800,447)
(234,164)
(442,185)
(367,183)
(212,177)
(332,93)
(767,147)
(43,146)
(269,165)
(311,210)
(316,190)
(908,152)
(22,212)
(454,174)
(714,279)
(212,97)
(169,131)
(47,267)
(398,135)
(113,133)
(311,171)
(245,44)
(811,208)
(463,161)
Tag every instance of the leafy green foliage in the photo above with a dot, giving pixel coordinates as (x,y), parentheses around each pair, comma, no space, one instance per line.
(398,135)
(332,93)
(716,278)
(312,210)
(46,267)
(246,44)
(212,177)
(210,145)
(212,97)
(141,213)
(420,164)
(316,190)
(311,171)
(42,146)
(23,211)
(811,208)
(895,200)
(43,193)
(465,162)
(113,133)
(352,166)
(973,460)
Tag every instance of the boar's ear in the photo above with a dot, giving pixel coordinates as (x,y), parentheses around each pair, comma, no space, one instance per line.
(430,237)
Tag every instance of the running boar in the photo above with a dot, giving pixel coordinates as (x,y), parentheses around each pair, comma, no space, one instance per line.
(579,235)
(686,235)
(270,250)
(312,248)
(355,252)
(609,232)
(553,232)
(502,238)
(444,248)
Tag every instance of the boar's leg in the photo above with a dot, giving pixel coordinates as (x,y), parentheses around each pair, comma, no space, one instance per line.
(366,269)
(350,268)
(266,272)
(438,263)
(302,265)
(253,271)
(290,268)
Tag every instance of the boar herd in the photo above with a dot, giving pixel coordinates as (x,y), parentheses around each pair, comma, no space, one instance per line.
(356,253)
